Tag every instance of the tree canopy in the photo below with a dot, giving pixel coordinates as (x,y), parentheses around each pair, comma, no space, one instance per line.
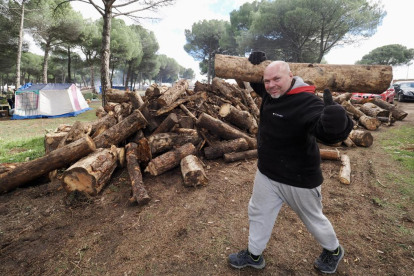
(393,54)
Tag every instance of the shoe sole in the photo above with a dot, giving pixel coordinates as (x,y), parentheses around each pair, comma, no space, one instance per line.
(333,271)
(262,265)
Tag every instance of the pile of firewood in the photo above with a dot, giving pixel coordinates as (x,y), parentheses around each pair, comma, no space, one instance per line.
(171,127)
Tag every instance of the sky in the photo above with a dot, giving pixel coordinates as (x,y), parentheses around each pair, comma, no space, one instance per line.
(396,28)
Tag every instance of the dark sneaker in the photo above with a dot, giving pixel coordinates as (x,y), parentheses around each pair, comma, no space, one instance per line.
(328,261)
(243,259)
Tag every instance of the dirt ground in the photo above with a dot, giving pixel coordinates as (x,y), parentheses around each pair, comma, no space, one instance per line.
(191,231)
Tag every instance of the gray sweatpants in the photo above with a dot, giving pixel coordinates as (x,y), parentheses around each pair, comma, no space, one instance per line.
(264,206)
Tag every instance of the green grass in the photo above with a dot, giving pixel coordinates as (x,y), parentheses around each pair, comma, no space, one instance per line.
(20,139)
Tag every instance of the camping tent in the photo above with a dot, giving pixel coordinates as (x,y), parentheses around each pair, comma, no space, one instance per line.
(48,100)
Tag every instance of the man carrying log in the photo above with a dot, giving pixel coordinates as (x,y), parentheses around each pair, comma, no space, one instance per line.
(291,117)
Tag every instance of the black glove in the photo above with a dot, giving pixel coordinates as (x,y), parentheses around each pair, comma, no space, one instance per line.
(257,57)
(334,119)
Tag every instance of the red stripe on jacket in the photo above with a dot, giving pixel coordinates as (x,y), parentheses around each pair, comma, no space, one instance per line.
(308,88)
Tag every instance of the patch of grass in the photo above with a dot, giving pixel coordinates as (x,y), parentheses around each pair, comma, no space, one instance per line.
(18,150)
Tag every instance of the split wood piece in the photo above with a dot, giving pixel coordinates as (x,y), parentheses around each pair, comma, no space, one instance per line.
(121,157)
(361,137)
(121,131)
(349,143)
(198,86)
(52,140)
(173,93)
(193,172)
(163,142)
(341,78)
(167,124)
(345,171)
(186,122)
(116,96)
(144,154)
(188,112)
(100,112)
(396,112)
(91,173)
(134,138)
(327,154)
(224,130)
(366,121)
(139,193)
(374,110)
(166,109)
(138,103)
(169,160)
(221,86)
(102,124)
(341,98)
(239,118)
(254,110)
(41,166)
(221,148)
(77,131)
(110,106)
(237,156)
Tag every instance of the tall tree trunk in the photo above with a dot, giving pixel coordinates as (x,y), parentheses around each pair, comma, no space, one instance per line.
(69,63)
(208,69)
(105,51)
(128,75)
(45,61)
(19,49)
(92,76)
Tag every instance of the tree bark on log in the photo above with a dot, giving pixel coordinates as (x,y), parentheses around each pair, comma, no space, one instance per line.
(361,137)
(52,140)
(221,148)
(155,91)
(221,86)
(173,93)
(239,118)
(163,142)
(243,155)
(327,154)
(345,171)
(224,130)
(368,122)
(254,110)
(116,96)
(91,173)
(108,121)
(41,166)
(138,103)
(77,131)
(397,113)
(139,193)
(166,109)
(101,112)
(167,124)
(340,78)
(202,87)
(193,172)
(121,131)
(134,138)
(374,110)
(169,160)
(144,154)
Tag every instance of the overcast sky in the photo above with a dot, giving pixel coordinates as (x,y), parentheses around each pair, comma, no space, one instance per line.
(395,29)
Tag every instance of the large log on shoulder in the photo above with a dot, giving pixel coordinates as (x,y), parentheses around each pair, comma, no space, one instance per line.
(54,160)
(121,131)
(169,160)
(91,173)
(341,78)
(139,193)
(173,93)
(396,112)
(193,172)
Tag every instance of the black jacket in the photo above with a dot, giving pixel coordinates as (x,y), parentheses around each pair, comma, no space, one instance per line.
(287,148)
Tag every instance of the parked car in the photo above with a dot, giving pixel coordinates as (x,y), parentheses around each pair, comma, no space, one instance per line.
(388,95)
(404,90)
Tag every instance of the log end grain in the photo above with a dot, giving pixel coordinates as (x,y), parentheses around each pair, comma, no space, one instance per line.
(79,180)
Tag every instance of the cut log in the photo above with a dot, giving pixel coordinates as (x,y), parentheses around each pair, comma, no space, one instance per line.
(193,172)
(341,78)
(155,91)
(100,112)
(341,98)
(239,118)
(198,86)
(169,160)
(63,128)
(327,154)
(110,106)
(163,142)
(138,103)
(77,131)
(349,143)
(139,193)
(366,121)
(43,165)
(177,103)
(374,110)
(396,112)
(5,167)
(167,124)
(91,173)
(243,155)
(52,140)
(107,121)
(188,112)
(345,171)
(121,131)
(254,110)
(134,138)
(361,137)
(224,130)
(223,87)
(144,154)
(221,148)
(116,96)
(173,93)
(389,120)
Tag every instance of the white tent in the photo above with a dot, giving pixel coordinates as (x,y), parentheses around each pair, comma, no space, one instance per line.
(48,100)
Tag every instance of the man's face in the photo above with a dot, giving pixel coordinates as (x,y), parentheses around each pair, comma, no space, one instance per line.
(277,80)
